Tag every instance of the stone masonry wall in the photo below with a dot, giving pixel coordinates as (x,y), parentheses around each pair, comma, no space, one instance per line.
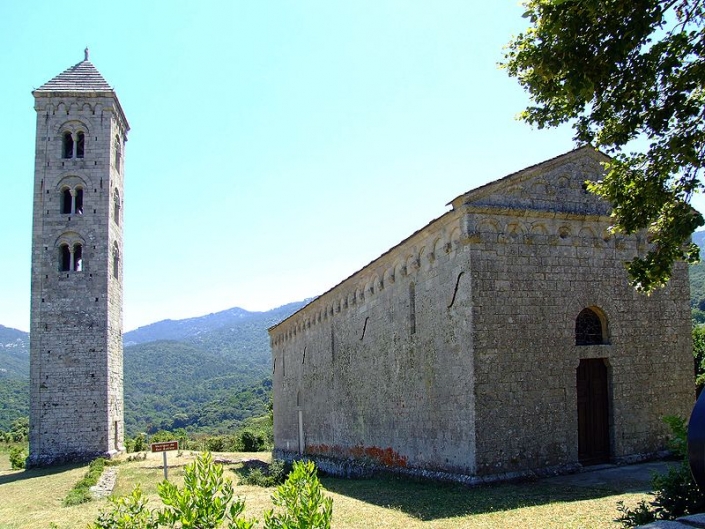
(380,369)
(532,274)
(76,409)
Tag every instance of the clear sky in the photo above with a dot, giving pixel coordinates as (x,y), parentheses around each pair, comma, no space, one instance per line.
(276,147)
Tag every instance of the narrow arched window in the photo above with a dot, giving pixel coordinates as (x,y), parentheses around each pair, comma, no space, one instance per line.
(412,309)
(78,201)
(66,201)
(118,154)
(64,258)
(116,262)
(67,145)
(116,207)
(77,257)
(590,328)
(80,145)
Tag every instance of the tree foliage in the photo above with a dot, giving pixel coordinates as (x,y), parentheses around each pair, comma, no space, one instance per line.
(620,71)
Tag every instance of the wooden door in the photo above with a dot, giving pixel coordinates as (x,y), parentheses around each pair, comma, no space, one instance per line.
(593,412)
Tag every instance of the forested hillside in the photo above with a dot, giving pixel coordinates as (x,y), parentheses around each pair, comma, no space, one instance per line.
(14,376)
(203,374)
(14,353)
(697,281)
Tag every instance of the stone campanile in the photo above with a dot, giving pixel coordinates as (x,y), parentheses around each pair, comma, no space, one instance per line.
(76,368)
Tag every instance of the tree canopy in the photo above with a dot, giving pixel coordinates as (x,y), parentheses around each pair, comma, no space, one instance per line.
(630,77)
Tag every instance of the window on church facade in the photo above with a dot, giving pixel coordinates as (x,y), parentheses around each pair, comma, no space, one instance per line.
(590,328)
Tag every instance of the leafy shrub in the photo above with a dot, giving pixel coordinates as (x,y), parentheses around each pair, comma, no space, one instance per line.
(699,353)
(253,441)
(20,429)
(206,502)
(640,515)
(675,493)
(301,498)
(80,493)
(273,474)
(216,444)
(137,444)
(18,456)
(129,512)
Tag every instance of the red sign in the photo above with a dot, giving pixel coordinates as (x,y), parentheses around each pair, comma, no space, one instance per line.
(165,447)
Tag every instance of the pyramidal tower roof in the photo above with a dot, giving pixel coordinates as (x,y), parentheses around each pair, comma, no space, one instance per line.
(81,77)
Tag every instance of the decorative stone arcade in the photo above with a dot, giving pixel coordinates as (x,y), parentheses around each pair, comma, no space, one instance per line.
(76,369)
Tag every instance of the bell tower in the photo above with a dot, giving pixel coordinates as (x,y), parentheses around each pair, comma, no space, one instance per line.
(76,369)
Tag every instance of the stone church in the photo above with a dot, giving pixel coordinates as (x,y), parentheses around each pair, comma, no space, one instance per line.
(500,339)
(76,371)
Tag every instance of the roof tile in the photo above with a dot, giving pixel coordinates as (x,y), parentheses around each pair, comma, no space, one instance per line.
(81,77)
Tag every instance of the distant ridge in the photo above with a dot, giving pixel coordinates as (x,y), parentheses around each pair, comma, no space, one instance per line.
(192,327)
(207,373)
(14,353)
(699,239)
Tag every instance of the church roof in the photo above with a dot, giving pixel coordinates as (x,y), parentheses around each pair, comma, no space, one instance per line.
(81,77)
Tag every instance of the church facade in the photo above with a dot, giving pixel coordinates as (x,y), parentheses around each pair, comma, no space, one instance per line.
(500,339)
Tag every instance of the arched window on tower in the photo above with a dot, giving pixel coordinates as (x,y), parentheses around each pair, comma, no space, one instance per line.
(118,154)
(71,202)
(591,327)
(80,145)
(116,207)
(66,201)
(116,261)
(64,258)
(78,201)
(77,257)
(67,145)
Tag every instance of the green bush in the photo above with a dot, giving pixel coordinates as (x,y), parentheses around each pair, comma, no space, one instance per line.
(18,433)
(301,498)
(18,456)
(675,493)
(129,512)
(206,502)
(80,493)
(253,441)
(216,444)
(274,474)
(138,443)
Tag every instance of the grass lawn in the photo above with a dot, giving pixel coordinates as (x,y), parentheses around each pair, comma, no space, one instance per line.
(32,499)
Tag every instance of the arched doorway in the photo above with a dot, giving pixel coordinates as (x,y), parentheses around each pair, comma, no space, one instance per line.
(593,412)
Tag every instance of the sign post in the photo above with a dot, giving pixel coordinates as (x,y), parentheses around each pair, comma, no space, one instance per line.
(164,448)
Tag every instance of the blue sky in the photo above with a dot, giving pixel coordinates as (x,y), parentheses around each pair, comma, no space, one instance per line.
(276,147)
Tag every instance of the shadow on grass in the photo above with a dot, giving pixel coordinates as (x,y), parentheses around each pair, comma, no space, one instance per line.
(429,501)
(37,473)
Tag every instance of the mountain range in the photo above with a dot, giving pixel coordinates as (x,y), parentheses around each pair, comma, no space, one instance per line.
(207,373)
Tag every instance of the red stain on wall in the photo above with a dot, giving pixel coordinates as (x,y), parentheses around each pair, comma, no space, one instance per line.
(383,456)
